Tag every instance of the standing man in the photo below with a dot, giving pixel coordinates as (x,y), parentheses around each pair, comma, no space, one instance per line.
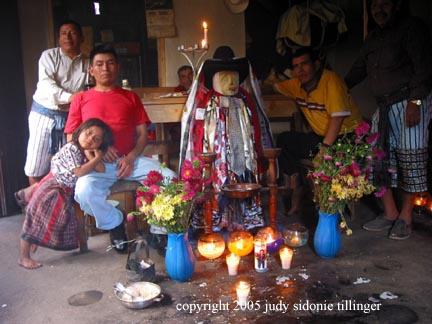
(185,75)
(123,111)
(62,74)
(324,100)
(396,58)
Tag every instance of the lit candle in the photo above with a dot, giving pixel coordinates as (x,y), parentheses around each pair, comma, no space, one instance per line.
(211,250)
(295,240)
(286,254)
(203,44)
(205,31)
(240,244)
(243,289)
(420,200)
(232,261)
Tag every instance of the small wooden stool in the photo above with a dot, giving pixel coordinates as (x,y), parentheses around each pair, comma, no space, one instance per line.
(122,191)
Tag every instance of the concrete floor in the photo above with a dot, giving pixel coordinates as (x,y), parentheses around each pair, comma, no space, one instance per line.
(402,268)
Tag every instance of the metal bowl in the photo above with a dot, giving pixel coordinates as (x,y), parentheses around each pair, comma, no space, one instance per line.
(241,190)
(147,293)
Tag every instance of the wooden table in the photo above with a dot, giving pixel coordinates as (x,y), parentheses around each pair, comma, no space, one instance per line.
(161,110)
(168,110)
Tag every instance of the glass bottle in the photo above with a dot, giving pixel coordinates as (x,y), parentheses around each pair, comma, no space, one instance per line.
(126,85)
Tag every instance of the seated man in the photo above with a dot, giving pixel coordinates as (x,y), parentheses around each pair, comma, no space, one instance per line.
(225,119)
(324,100)
(123,111)
(185,75)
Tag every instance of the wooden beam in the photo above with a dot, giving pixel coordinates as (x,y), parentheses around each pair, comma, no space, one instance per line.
(161,62)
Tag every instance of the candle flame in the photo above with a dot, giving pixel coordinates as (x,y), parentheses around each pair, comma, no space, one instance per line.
(204,25)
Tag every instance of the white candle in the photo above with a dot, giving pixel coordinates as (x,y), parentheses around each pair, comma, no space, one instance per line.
(243,289)
(203,44)
(232,261)
(286,257)
(205,31)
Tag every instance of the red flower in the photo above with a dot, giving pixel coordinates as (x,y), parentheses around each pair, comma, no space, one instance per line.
(362,129)
(378,153)
(326,178)
(372,139)
(380,193)
(152,178)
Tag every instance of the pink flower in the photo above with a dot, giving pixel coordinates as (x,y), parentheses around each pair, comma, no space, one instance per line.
(378,153)
(317,174)
(331,199)
(148,197)
(186,173)
(187,164)
(196,174)
(326,178)
(154,189)
(362,129)
(355,170)
(130,217)
(381,192)
(152,178)
(327,157)
(372,139)
(189,195)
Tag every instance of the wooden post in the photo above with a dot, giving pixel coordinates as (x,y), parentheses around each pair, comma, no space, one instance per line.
(271,155)
(208,159)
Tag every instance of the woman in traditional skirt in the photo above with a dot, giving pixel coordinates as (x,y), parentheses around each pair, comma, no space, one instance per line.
(50,219)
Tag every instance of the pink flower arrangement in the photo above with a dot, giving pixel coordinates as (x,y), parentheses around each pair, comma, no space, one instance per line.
(342,171)
(169,202)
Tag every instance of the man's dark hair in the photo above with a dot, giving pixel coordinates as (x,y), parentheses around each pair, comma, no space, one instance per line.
(184,68)
(102,49)
(72,22)
(306,51)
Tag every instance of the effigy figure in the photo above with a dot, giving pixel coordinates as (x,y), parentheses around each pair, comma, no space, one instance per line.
(224,115)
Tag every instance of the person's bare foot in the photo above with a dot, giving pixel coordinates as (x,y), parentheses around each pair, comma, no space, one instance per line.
(28,263)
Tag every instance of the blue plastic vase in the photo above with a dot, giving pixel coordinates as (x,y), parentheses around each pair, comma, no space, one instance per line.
(179,258)
(327,239)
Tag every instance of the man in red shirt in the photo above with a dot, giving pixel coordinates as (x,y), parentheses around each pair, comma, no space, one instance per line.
(123,111)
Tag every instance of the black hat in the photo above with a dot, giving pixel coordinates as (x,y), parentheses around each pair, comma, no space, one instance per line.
(224,60)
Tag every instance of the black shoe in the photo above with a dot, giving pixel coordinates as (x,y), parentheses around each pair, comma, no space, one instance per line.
(118,239)
(158,242)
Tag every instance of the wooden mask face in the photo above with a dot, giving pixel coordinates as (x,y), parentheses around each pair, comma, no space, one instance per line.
(226,82)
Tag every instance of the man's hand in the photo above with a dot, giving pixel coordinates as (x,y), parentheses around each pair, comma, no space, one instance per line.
(125,167)
(412,114)
(111,155)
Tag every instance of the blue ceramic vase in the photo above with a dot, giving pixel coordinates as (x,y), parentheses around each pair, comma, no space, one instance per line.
(327,239)
(179,258)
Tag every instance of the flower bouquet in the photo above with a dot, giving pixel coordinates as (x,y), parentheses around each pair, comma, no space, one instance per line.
(169,203)
(341,172)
